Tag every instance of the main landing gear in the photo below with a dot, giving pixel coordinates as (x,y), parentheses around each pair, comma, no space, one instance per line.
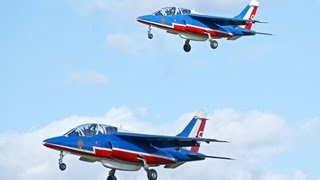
(213,44)
(151,173)
(187,46)
(150,35)
(111,175)
(62,166)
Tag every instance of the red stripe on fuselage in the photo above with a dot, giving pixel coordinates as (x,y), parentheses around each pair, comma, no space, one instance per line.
(103,153)
(123,155)
(133,157)
(179,27)
(203,32)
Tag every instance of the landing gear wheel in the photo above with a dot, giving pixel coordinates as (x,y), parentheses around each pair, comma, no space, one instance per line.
(187,47)
(214,44)
(152,174)
(111,178)
(62,166)
(150,36)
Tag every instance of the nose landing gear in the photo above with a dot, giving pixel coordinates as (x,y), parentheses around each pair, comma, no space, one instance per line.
(150,35)
(62,166)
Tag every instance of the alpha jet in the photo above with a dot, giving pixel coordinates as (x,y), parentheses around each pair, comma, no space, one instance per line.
(122,150)
(194,26)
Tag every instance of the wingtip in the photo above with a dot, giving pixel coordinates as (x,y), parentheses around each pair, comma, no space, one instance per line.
(216,140)
(218,157)
(266,34)
(257,21)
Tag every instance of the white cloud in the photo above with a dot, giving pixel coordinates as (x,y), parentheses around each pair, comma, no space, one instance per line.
(254,136)
(311,128)
(86,78)
(297,175)
(125,43)
(300,175)
(271,176)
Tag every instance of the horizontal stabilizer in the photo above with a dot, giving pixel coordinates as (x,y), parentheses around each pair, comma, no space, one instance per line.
(215,140)
(267,34)
(261,22)
(217,157)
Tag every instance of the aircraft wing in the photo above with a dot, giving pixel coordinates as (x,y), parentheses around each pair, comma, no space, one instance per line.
(222,21)
(165,141)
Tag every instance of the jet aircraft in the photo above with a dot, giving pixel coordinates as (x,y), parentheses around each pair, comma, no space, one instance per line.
(195,26)
(122,150)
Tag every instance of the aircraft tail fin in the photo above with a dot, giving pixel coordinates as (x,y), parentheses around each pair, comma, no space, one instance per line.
(195,128)
(249,13)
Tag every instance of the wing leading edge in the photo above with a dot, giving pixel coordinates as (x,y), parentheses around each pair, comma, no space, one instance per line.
(165,141)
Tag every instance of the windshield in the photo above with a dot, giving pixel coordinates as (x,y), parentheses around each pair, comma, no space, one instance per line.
(185,11)
(91,130)
(169,11)
(158,13)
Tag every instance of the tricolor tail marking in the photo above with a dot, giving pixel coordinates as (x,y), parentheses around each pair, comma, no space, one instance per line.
(249,13)
(195,128)
(199,134)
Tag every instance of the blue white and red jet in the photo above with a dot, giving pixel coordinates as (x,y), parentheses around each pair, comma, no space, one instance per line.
(120,150)
(191,25)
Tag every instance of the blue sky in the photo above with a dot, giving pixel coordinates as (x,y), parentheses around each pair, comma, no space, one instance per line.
(63,58)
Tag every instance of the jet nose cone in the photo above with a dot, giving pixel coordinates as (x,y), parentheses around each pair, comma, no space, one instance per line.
(142,19)
(51,141)
(46,142)
(139,18)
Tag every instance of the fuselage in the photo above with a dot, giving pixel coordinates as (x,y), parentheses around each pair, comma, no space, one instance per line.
(113,152)
(188,28)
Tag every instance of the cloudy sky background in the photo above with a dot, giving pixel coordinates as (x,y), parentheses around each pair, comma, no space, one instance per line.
(63,63)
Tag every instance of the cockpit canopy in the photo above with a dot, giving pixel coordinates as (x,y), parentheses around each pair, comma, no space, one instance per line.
(91,130)
(170,11)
